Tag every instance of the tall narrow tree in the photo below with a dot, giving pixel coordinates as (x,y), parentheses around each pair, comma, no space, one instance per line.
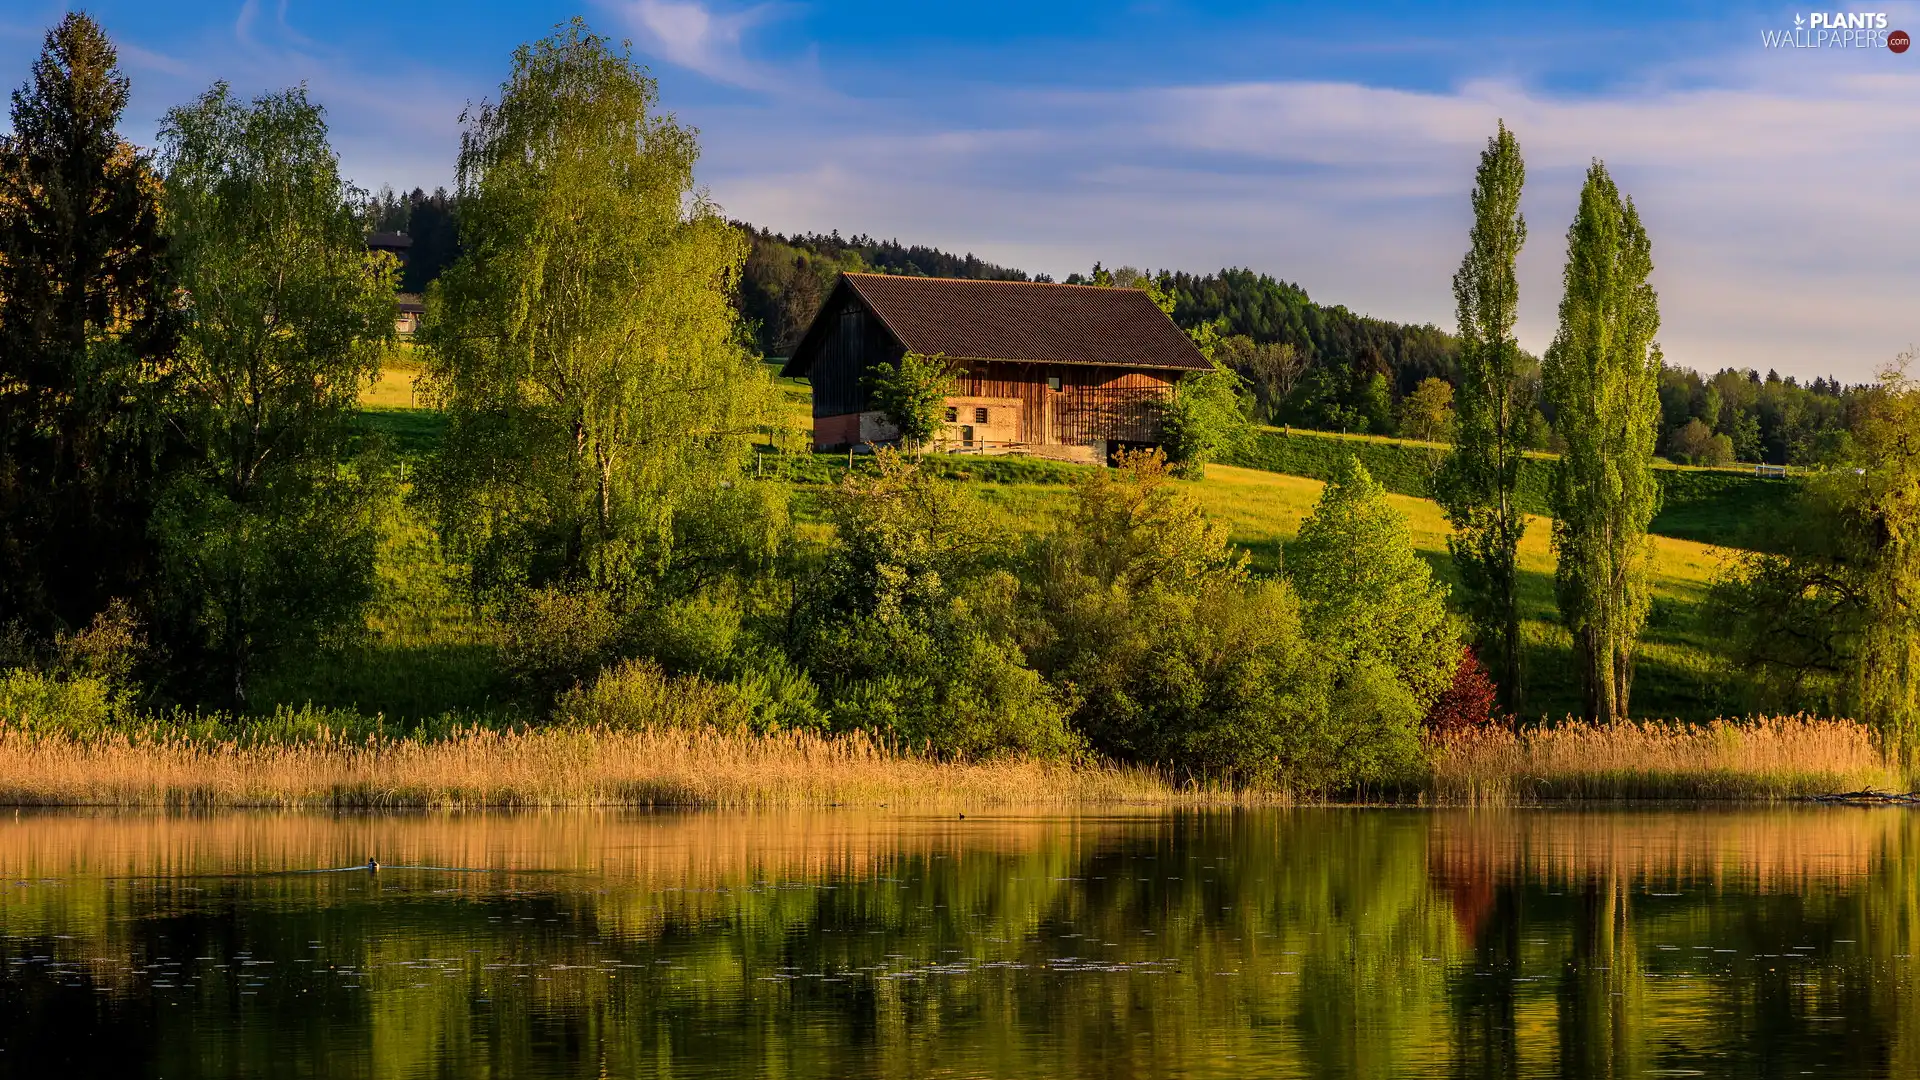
(85,330)
(585,345)
(267,541)
(1480,481)
(1602,377)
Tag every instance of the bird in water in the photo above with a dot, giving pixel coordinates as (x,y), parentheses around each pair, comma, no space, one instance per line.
(373,864)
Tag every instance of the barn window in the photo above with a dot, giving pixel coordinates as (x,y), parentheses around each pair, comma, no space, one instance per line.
(1053,382)
(953,415)
(979,416)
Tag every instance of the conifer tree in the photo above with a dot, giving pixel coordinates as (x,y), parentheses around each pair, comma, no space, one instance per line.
(85,328)
(1602,376)
(1480,480)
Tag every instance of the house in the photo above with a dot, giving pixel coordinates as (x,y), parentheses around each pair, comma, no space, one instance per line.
(409,310)
(1066,371)
(397,244)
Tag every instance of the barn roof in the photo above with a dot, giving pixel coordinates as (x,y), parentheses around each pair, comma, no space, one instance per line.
(965,319)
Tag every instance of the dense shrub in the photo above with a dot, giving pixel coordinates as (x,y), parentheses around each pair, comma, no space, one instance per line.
(1470,702)
(899,627)
(1176,655)
(637,695)
(555,638)
(1369,600)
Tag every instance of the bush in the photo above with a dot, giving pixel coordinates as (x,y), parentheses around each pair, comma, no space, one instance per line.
(1174,655)
(556,638)
(638,695)
(1370,600)
(1469,703)
(43,704)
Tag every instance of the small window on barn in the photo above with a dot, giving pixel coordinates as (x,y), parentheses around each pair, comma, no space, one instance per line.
(953,415)
(1053,382)
(979,416)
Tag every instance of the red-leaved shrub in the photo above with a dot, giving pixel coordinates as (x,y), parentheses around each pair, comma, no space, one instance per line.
(1471,702)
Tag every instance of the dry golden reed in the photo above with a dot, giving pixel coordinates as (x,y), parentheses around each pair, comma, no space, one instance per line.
(1770,758)
(553,767)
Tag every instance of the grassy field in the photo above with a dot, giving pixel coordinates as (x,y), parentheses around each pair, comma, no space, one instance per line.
(426,652)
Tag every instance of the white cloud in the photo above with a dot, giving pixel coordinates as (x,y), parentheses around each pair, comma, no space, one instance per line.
(1776,205)
(695,36)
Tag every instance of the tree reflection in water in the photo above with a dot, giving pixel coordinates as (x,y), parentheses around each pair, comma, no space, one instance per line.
(1311,942)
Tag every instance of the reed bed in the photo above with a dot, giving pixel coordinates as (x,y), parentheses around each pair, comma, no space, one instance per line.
(553,767)
(1766,759)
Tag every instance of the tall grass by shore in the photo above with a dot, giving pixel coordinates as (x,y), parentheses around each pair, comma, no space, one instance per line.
(1771,758)
(566,766)
(572,765)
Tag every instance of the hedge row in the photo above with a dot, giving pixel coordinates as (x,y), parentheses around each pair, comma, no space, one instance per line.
(1713,507)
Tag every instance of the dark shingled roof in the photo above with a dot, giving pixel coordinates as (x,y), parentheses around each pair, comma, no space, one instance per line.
(382,240)
(1027,321)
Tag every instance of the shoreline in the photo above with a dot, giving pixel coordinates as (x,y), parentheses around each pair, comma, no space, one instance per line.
(1767,761)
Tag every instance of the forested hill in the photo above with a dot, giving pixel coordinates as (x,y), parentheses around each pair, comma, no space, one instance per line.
(787,277)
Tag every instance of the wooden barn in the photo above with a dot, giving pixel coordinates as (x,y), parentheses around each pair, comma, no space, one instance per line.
(1067,371)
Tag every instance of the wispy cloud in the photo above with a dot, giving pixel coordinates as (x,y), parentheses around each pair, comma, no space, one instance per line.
(1772,208)
(696,36)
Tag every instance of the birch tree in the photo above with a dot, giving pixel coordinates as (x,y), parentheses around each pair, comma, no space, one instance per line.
(267,540)
(585,346)
(1602,375)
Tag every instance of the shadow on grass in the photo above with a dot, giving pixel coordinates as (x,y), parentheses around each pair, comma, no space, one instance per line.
(405,683)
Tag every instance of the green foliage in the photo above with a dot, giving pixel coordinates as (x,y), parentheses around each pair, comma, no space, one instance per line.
(1479,485)
(1833,615)
(35,703)
(86,336)
(556,637)
(1369,602)
(900,627)
(1602,376)
(637,695)
(1203,420)
(585,346)
(1175,655)
(267,543)
(1270,369)
(1427,413)
(912,394)
(1694,443)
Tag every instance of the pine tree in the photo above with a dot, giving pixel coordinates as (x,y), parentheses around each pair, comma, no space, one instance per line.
(85,327)
(1490,414)
(1602,377)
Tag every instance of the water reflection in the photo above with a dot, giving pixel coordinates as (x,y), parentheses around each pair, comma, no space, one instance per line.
(1282,943)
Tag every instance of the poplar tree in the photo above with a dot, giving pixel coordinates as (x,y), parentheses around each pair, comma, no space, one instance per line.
(267,541)
(1601,376)
(1481,477)
(85,331)
(585,345)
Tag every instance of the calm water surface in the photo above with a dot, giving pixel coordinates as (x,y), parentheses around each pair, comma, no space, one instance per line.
(1327,943)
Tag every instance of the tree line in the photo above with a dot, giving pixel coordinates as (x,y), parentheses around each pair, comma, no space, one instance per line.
(187,333)
(190,393)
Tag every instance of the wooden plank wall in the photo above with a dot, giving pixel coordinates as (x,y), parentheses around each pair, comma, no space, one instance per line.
(1092,402)
(855,342)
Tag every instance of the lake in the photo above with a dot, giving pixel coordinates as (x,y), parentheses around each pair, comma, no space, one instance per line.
(874,943)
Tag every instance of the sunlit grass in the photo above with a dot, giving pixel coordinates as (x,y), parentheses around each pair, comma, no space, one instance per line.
(1771,758)
(563,766)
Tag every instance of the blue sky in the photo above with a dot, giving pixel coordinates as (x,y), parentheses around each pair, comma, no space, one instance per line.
(1332,145)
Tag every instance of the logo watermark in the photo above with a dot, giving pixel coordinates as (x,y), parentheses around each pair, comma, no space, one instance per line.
(1838,30)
